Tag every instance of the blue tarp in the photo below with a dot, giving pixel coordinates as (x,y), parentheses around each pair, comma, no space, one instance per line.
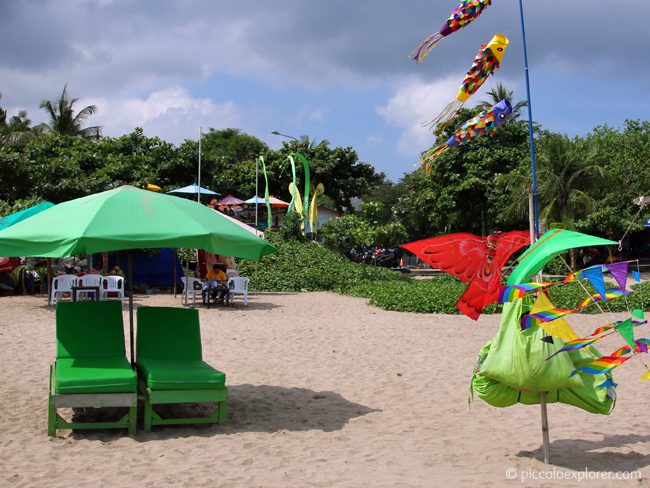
(152,267)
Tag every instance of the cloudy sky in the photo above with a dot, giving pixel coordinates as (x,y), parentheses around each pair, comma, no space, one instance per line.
(335,70)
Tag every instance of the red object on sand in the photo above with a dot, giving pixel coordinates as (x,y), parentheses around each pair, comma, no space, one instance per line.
(472,259)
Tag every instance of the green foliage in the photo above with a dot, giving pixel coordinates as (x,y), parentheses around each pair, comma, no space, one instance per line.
(309,266)
(291,227)
(342,234)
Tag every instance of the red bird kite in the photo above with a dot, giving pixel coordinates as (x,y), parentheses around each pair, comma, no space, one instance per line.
(473,259)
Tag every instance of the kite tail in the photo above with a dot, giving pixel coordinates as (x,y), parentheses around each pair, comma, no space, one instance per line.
(420,52)
(429,157)
(441,121)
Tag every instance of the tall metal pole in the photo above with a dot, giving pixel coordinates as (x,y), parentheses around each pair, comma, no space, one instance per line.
(198,195)
(257,165)
(534,216)
(530,123)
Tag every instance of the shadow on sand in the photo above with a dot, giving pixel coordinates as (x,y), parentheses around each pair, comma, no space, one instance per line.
(578,454)
(251,408)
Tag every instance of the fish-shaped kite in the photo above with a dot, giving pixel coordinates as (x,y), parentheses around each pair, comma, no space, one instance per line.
(486,122)
(486,62)
(466,12)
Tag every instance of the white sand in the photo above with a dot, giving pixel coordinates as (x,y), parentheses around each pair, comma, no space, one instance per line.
(324,391)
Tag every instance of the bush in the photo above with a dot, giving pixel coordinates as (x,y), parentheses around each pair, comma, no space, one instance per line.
(307,266)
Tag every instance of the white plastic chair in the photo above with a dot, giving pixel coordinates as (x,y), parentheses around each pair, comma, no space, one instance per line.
(191,287)
(88,280)
(112,284)
(231,273)
(60,285)
(238,285)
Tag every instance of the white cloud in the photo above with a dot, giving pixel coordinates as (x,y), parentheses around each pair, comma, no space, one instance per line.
(416,102)
(171,114)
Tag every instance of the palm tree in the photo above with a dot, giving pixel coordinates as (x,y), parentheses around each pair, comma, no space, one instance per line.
(568,183)
(500,92)
(17,129)
(64,122)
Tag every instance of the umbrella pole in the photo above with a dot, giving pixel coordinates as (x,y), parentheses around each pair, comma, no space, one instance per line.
(49,280)
(174,273)
(546,449)
(130,273)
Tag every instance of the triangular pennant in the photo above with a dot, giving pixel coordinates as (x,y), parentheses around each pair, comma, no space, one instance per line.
(642,345)
(607,383)
(548,339)
(558,327)
(626,329)
(646,376)
(637,313)
(637,276)
(619,272)
(595,277)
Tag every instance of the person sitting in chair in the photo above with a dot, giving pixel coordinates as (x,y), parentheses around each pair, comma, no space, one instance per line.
(215,277)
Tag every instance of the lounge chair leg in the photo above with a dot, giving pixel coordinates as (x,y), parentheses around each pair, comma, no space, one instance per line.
(148,413)
(223,413)
(51,410)
(51,417)
(133,416)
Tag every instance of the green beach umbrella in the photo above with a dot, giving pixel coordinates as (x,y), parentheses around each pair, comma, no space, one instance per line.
(128,218)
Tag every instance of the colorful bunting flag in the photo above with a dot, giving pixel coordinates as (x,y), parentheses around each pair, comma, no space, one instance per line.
(601,366)
(515,292)
(580,274)
(642,345)
(626,329)
(602,329)
(619,272)
(573,345)
(606,383)
(610,294)
(637,276)
(558,327)
(527,322)
(621,351)
(551,315)
(595,277)
(646,376)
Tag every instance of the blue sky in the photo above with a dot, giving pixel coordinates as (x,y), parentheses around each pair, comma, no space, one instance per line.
(333,70)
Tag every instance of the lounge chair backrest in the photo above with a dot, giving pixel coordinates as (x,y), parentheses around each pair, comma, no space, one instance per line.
(168,333)
(89,329)
(90,280)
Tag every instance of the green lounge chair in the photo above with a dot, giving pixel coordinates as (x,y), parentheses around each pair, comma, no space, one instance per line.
(91,368)
(171,368)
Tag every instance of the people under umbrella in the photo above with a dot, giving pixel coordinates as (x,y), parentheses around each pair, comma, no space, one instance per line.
(214,285)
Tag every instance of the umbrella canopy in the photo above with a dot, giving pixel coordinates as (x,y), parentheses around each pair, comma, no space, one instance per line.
(14,218)
(554,242)
(193,189)
(128,218)
(229,200)
(275,202)
(244,226)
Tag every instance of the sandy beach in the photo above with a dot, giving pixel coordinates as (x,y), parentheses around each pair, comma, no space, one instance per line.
(325,391)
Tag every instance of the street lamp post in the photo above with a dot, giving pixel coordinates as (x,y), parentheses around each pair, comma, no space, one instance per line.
(277,133)
(198,195)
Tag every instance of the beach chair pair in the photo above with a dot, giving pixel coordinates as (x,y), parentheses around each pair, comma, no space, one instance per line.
(91,368)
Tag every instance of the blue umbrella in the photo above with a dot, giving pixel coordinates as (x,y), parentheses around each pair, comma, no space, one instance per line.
(194,189)
(14,218)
